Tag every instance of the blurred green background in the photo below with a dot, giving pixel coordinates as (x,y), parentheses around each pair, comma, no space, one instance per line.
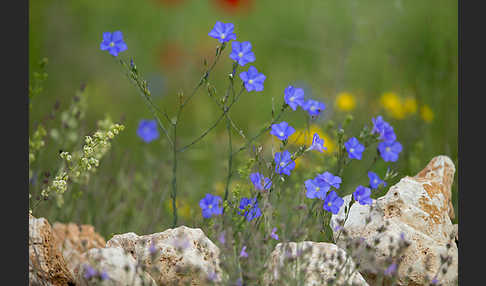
(390,57)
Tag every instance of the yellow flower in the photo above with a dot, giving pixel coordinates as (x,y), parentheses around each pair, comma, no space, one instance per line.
(345,101)
(183,208)
(393,105)
(299,138)
(410,105)
(426,113)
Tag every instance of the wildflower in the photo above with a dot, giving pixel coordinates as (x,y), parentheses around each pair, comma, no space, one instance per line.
(241,53)
(210,206)
(300,138)
(426,113)
(239,282)
(330,179)
(282,130)
(147,130)
(253,211)
(434,281)
(389,150)
(212,276)
(113,42)
(393,105)
(223,32)
(354,148)
(221,237)
(314,107)
(89,271)
(283,162)
(375,181)
(317,143)
(410,105)
(273,234)
(316,189)
(252,79)
(333,202)
(383,128)
(391,269)
(345,101)
(243,252)
(152,248)
(294,97)
(260,182)
(362,195)
(104,276)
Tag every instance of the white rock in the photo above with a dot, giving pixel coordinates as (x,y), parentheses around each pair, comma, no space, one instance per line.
(121,268)
(313,262)
(184,255)
(420,208)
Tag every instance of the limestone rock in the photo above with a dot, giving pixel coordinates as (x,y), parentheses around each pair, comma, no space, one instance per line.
(46,263)
(317,263)
(420,209)
(179,256)
(73,240)
(119,268)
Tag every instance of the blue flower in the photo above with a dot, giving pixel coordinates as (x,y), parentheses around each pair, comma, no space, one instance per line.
(243,252)
(210,205)
(241,52)
(316,189)
(273,234)
(223,32)
(294,97)
(260,182)
(313,107)
(253,212)
(252,79)
(354,148)
(375,181)
(89,271)
(104,276)
(283,162)
(362,195)
(384,129)
(113,42)
(147,130)
(389,150)
(282,130)
(330,179)
(333,202)
(317,143)
(391,269)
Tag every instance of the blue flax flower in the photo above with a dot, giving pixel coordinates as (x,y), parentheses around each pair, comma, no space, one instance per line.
(362,195)
(330,179)
(273,234)
(113,42)
(243,252)
(147,130)
(384,129)
(260,182)
(253,211)
(89,271)
(316,189)
(294,97)
(223,32)
(313,107)
(375,181)
(284,163)
(252,79)
(391,269)
(333,202)
(282,130)
(389,150)
(354,148)
(241,53)
(317,143)
(104,276)
(210,206)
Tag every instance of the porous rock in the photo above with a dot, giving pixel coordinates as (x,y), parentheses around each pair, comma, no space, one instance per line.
(179,256)
(119,269)
(46,263)
(313,263)
(73,240)
(417,210)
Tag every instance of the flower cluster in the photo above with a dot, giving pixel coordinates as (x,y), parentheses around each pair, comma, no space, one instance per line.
(249,208)
(319,188)
(260,182)
(389,148)
(294,97)
(90,273)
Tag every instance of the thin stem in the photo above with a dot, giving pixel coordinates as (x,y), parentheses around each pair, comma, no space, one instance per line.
(230,160)
(174,177)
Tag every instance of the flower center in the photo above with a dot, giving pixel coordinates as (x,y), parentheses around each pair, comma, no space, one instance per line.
(317,188)
(250,81)
(313,108)
(281,134)
(292,98)
(210,206)
(375,181)
(329,204)
(351,150)
(387,149)
(282,164)
(240,54)
(223,36)
(112,44)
